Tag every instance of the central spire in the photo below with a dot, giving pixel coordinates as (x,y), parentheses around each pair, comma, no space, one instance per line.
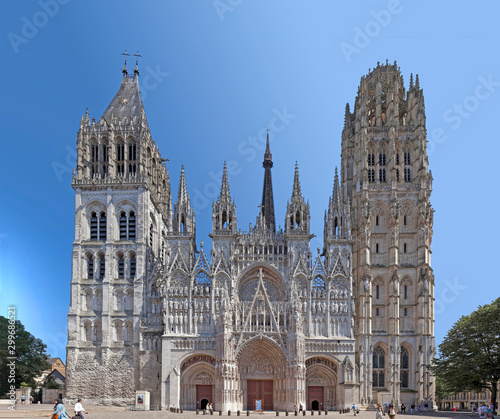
(267,207)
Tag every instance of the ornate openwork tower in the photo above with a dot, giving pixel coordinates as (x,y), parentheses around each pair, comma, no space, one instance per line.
(259,317)
(385,176)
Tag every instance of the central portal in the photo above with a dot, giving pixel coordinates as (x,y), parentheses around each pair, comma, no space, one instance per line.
(260,389)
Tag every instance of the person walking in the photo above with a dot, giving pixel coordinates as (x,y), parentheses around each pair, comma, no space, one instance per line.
(379,414)
(79,410)
(60,411)
(403,408)
(392,411)
(355,409)
(412,408)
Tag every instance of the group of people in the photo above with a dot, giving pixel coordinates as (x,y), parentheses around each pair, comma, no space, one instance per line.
(209,409)
(485,411)
(60,411)
(298,408)
(391,411)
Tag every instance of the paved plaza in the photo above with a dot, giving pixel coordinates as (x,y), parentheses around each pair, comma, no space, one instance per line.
(107,412)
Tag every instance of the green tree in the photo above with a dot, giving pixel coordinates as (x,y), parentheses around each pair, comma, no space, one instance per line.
(470,353)
(29,355)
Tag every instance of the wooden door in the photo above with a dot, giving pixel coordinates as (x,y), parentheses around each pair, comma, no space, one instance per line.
(260,389)
(203,395)
(315,394)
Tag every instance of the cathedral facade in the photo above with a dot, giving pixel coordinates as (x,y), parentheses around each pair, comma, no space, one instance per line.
(259,316)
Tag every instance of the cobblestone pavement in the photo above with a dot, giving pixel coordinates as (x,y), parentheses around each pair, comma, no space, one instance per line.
(107,412)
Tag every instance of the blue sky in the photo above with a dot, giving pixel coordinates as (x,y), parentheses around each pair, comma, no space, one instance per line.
(213,75)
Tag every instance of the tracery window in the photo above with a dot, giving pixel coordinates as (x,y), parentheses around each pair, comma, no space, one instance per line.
(102,267)
(382,175)
(121,266)
(127,225)
(382,159)
(371,159)
(120,157)
(378,367)
(132,157)
(318,283)
(407,174)
(90,267)
(404,367)
(371,175)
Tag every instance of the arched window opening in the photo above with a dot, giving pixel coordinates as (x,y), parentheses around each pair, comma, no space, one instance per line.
(132,266)
(377,292)
(371,175)
(123,226)
(102,267)
(121,266)
(87,332)
(404,248)
(407,173)
(376,220)
(102,226)
(382,175)
(118,331)
(382,159)
(297,219)
(97,332)
(94,158)
(407,158)
(129,332)
(93,226)
(182,225)
(378,367)
(404,220)
(336,227)
(131,226)
(405,366)
(371,159)
(132,157)
(105,158)
(397,175)
(151,234)
(90,267)
(376,248)
(224,219)
(120,157)
(405,292)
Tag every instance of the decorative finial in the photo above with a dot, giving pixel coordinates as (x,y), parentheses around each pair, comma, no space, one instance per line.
(136,69)
(124,71)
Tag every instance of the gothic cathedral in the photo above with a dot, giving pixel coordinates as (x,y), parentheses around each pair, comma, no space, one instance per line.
(259,316)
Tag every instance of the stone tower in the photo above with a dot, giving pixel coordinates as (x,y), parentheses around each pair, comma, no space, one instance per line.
(385,176)
(123,214)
